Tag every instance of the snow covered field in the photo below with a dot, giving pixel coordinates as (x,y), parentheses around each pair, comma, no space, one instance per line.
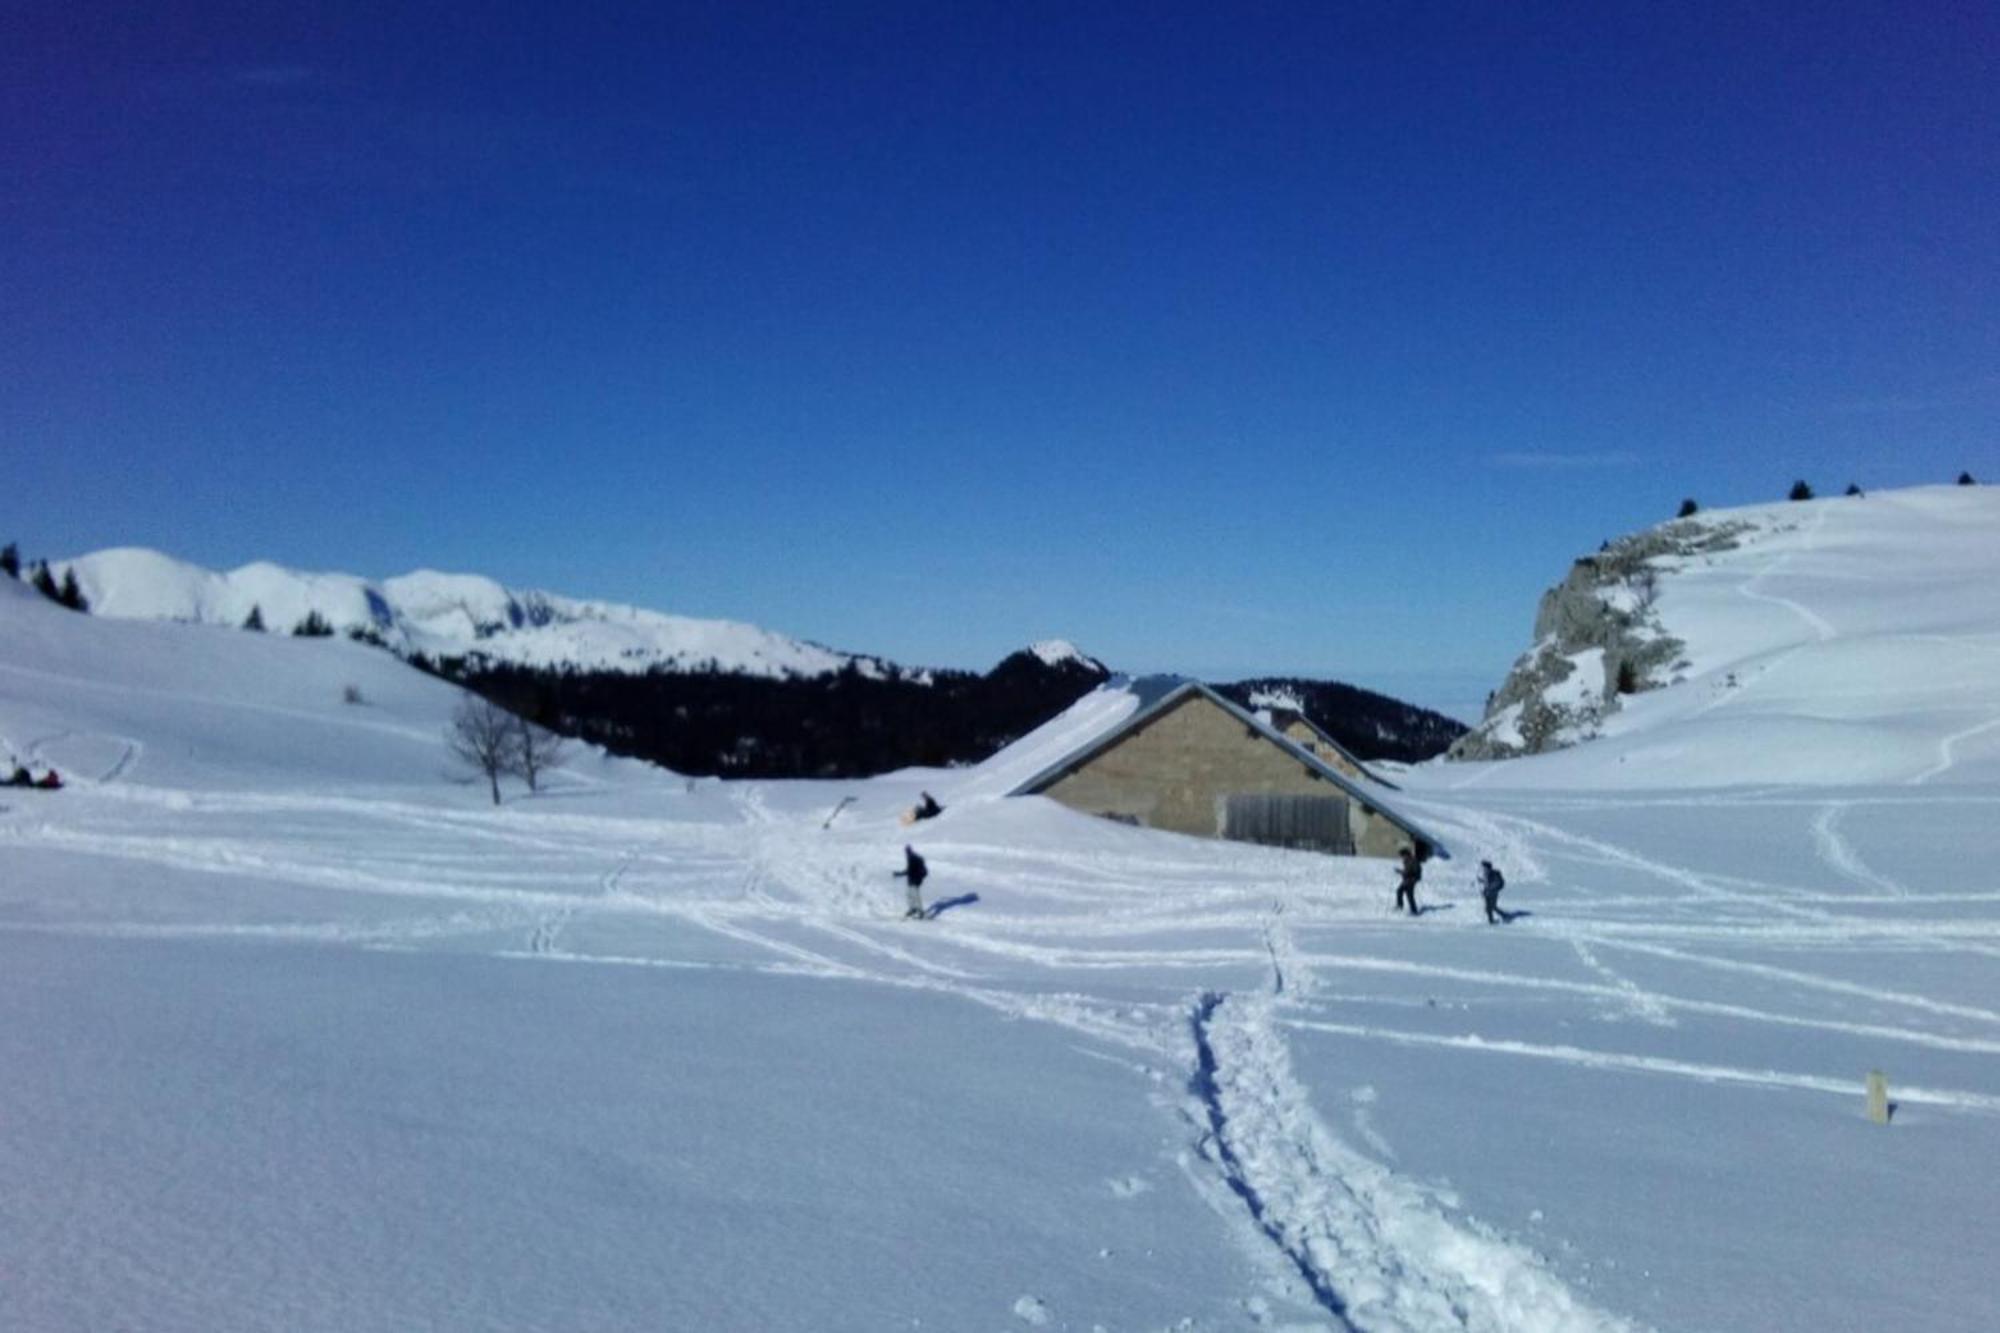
(300,1034)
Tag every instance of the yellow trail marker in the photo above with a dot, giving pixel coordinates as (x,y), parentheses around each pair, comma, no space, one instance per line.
(1878,1096)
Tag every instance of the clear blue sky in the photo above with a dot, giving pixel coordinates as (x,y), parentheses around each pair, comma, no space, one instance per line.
(1307,337)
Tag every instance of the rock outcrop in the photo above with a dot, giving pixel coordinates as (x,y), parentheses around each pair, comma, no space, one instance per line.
(1597,639)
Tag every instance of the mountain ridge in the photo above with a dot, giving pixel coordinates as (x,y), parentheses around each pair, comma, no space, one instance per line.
(699,696)
(436,614)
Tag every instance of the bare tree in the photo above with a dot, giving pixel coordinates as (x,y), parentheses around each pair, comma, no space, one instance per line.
(536,748)
(485,738)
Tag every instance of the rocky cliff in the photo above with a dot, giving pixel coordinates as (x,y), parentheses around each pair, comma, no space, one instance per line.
(1597,639)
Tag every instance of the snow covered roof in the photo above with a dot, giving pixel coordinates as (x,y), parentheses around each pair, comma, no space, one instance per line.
(1158,694)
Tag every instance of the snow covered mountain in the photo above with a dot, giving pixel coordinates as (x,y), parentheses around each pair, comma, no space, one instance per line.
(699,696)
(1061,652)
(447,615)
(304,1034)
(1849,639)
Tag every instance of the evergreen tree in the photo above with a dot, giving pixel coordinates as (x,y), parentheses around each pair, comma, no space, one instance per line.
(1965,479)
(10,561)
(1688,509)
(71,595)
(1801,491)
(255,620)
(314,626)
(45,582)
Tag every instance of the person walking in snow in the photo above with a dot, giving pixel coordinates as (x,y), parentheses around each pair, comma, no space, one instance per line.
(912,874)
(1491,881)
(1409,871)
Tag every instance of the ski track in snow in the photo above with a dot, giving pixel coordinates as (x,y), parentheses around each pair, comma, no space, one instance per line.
(1351,1239)
(79,755)
(1643,1005)
(1371,1249)
(1753,588)
(1839,854)
(1375,1251)
(1745,678)
(1848,1088)
(1948,751)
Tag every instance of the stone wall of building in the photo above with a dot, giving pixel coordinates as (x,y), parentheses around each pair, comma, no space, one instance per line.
(1177,772)
(1301,733)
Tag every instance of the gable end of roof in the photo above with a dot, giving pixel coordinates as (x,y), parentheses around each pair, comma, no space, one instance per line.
(1174,698)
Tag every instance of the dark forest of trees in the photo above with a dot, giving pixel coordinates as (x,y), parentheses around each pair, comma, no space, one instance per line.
(846,724)
(854,723)
(1368,725)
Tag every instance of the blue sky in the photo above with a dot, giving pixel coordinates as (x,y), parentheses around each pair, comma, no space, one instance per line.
(1307,337)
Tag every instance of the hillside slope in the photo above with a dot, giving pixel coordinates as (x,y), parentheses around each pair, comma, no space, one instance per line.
(193,706)
(1846,640)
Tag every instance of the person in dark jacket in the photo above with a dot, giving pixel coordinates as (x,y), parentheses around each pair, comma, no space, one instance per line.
(928,808)
(50,782)
(1491,881)
(1409,871)
(21,778)
(913,872)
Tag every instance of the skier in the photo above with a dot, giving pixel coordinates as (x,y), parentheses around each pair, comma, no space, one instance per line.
(1491,881)
(21,778)
(1411,870)
(50,782)
(913,873)
(928,808)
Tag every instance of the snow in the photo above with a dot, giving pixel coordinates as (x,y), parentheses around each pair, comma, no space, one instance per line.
(1505,725)
(304,1034)
(1055,652)
(445,615)
(1582,690)
(1276,699)
(1844,640)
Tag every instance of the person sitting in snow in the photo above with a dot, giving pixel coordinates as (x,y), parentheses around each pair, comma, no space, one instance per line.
(928,808)
(21,778)
(913,873)
(1409,872)
(1491,881)
(50,782)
